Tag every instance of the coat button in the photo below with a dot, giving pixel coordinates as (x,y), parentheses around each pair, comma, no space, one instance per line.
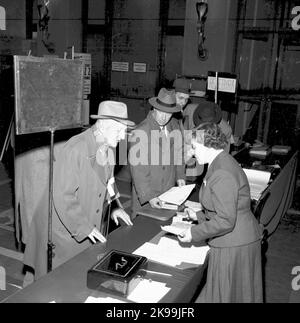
(100,195)
(98,211)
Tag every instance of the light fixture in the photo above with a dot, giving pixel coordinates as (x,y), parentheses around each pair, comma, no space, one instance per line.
(202,9)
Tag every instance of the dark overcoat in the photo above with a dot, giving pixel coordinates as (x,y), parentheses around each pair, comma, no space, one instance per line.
(161,160)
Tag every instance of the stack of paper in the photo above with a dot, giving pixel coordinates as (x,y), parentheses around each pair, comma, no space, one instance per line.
(170,252)
(176,195)
(258,182)
(155,292)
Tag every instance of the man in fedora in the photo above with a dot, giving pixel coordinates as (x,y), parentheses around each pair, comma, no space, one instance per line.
(183,91)
(156,152)
(83,190)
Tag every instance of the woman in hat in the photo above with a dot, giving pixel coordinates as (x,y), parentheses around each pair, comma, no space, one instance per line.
(208,111)
(83,188)
(156,152)
(226,223)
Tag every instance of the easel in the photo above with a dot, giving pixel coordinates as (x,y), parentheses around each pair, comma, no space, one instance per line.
(50,244)
(61,108)
(7,138)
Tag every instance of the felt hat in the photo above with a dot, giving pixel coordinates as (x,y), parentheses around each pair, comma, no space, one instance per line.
(113,110)
(207,111)
(182,85)
(165,101)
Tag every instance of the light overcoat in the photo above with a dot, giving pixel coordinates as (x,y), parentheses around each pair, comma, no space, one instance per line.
(79,193)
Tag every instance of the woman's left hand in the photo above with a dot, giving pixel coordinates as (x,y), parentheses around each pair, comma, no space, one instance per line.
(185,236)
(120,213)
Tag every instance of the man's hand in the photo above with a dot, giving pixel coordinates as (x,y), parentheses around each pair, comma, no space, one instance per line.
(96,235)
(180,182)
(185,236)
(120,213)
(156,203)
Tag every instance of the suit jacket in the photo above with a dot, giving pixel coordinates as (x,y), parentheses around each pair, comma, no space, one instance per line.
(227,220)
(156,163)
(79,193)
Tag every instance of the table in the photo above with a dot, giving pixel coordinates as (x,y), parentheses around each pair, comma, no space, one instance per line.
(67,283)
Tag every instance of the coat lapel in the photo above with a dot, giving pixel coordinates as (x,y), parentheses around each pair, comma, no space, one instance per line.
(100,171)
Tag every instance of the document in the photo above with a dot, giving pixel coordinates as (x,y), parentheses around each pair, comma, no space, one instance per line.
(176,228)
(172,253)
(92,299)
(179,224)
(155,291)
(258,181)
(177,194)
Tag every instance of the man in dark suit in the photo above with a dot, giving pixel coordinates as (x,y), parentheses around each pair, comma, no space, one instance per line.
(156,152)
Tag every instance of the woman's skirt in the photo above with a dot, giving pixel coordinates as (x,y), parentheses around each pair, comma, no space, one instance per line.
(234,275)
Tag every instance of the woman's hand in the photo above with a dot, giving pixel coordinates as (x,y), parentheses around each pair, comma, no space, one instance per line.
(96,235)
(191,214)
(156,203)
(180,182)
(185,236)
(120,213)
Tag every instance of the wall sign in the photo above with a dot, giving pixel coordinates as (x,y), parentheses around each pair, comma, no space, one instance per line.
(224,84)
(139,67)
(2,18)
(120,66)
(87,72)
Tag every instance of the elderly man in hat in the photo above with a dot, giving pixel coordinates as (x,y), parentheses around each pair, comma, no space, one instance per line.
(83,192)
(156,152)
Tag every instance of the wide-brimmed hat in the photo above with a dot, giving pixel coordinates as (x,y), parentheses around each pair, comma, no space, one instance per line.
(207,111)
(113,110)
(165,101)
(182,85)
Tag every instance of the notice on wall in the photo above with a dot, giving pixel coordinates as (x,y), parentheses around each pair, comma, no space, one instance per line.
(2,18)
(87,73)
(87,83)
(139,67)
(120,66)
(224,84)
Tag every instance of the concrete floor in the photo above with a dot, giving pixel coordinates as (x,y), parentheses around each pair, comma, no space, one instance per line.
(282,256)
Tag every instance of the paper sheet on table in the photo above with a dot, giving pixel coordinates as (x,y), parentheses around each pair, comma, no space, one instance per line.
(177,227)
(258,181)
(170,252)
(92,299)
(177,194)
(155,291)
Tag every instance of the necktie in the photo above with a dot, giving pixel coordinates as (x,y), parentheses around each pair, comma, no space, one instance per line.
(164,131)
